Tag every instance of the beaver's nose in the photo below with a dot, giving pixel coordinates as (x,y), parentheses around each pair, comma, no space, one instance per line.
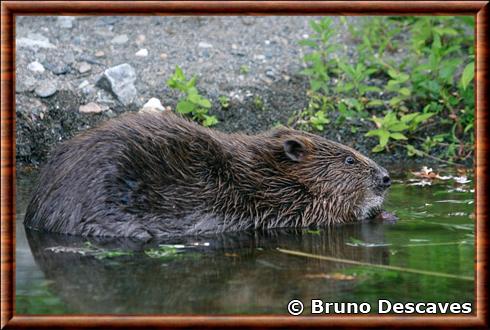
(386,181)
(383,179)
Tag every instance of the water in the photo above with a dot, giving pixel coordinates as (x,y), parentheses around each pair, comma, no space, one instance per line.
(245,273)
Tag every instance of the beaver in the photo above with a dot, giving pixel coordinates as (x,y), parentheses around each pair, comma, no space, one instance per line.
(150,174)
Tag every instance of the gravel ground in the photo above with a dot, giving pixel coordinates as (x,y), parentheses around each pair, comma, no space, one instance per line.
(255,61)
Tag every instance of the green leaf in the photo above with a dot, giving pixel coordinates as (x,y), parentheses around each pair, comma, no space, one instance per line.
(409,117)
(308,43)
(403,77)
(378,148)
(374,132)
(393,73)
(372,89)
(345,87)
(398,127)
(375,103)
(209,120)
(421,118)
(383,138)
(445,30)
(398,136)
(395,101)
(185,107)
(405,91)
(468,74)
(392,85)
(192,91)
(192,82)
(179,74)
(315,26)
(411,151)
(316,85)
(199,100)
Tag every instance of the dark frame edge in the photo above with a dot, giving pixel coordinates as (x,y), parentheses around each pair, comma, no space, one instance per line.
(246,7)
(7,166)
(481,165)
(277,321)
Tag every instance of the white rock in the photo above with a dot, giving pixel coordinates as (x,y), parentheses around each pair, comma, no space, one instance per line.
(36,67)
(84,67)
(142,52)
(91,107)
(203,44)
(154,103)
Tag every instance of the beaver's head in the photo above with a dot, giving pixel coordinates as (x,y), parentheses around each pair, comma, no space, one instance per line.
(344,185)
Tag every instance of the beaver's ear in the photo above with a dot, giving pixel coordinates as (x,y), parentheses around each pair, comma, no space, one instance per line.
(295,150)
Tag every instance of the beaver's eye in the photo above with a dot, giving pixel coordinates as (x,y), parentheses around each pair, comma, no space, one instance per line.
(349,160)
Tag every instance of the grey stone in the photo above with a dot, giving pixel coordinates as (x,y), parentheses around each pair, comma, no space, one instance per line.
(65,22)
(119,80)
(46,89)
(120,39)
(69,57)
(27,84)
(57,67)
(35,41)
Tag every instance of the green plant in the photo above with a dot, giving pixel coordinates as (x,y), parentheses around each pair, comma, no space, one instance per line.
(318,120)
(354,78)
(319,62)
(244,69)
(259,103)
(434,71)
(193,104)
(391,127)
(224,101)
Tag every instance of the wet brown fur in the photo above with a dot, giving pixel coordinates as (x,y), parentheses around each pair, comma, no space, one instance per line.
(148,174)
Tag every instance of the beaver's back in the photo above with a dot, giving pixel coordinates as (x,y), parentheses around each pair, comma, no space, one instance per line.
(111,173)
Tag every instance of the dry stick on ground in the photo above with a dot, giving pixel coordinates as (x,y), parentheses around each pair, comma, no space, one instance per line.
(359,263)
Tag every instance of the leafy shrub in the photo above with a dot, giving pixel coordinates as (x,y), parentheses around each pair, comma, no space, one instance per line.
(193,104)
(429,82)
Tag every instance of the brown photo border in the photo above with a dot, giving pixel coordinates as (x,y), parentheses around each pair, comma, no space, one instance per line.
(10,9)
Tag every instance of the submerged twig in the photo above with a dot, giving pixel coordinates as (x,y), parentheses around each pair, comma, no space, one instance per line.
(359,263)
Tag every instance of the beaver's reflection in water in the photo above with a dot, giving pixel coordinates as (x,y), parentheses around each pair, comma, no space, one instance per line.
(239,272)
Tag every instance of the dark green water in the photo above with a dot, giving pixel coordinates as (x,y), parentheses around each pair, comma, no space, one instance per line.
(245,273)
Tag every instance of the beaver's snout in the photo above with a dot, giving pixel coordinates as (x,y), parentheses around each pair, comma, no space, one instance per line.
(383,180)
